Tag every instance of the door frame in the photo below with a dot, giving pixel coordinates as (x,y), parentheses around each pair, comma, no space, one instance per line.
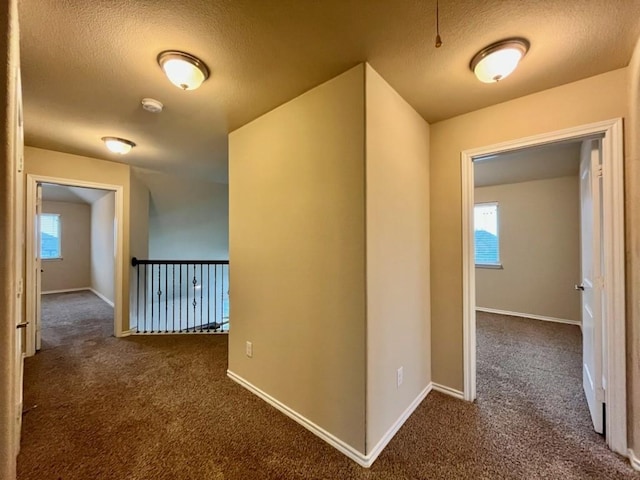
(32,182)
(614,261)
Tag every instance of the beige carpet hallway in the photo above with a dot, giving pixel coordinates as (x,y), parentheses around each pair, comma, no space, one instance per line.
(162,408)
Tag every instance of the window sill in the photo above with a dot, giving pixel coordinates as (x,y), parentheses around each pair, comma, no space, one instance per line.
(490,266)
(57,259)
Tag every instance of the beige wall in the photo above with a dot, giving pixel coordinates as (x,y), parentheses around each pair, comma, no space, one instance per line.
(9,61)
(598,98)
(297,255)
(139,216)
(139,238)
(188,217)
(539,249)
(74,269)
(397,202)
(632,200)
(76,167)
(103,246)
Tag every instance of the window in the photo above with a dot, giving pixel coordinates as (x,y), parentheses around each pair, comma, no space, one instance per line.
(50,247)
(485,230)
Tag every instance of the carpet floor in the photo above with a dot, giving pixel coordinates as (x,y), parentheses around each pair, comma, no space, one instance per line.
(161,407)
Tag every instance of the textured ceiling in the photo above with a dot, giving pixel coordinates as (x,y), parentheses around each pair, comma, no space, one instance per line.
(535,163)
(87,64)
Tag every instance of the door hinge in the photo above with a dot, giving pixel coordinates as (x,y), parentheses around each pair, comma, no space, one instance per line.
(19,287)
(598,171)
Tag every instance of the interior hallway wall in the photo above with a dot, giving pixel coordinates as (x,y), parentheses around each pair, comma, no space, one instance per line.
(586,101)
(103,246)
(632,222)
(9,62)
(73,270)
(397,231)
(75,167)
(297,255)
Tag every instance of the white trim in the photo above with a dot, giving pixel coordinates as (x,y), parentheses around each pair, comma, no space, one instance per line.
(529,315)
(30,265)
(386,438)
(452,392)
(468,281)
(32,181)
(635,461)
(102,297)
(335,442)
(65,290)
(613,226)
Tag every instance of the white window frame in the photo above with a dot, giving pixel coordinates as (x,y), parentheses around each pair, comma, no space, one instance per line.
(59,257)
(498,264)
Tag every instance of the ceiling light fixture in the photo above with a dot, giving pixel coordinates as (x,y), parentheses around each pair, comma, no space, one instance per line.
(182,69)
(117,145)
(498,60)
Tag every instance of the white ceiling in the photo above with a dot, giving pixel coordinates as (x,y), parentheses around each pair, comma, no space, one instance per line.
(535,163)
(87,64)
(62,193)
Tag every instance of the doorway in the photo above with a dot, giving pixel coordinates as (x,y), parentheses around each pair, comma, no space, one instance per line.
(613,306)
(75,232)
(115,259)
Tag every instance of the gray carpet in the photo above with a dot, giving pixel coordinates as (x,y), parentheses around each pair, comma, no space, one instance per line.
(162,408)
(74,317)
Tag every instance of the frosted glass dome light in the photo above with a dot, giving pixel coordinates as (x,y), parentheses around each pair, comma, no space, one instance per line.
(499,60)
(182,69)
(117,145)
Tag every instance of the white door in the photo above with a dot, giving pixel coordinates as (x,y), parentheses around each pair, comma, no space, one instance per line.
(592,279)
(38,266)
(19,220)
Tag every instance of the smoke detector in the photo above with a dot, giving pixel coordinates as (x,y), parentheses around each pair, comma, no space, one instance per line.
(152,105)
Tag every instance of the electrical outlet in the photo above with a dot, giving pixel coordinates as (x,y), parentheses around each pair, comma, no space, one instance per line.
(400,377)
(249,349)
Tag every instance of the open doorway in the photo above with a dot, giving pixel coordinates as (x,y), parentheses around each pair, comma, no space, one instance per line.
(101,275)
(607,161)
(529,268)
(75,237)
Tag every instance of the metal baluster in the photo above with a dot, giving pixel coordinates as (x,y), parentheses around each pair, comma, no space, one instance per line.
(173,299)
(222,296)
(151,330)
(138,299)
(159,299)
(180,316)
(146,286)
(166,299)
(201,292)
(209,297)
(215,298)
(195,303)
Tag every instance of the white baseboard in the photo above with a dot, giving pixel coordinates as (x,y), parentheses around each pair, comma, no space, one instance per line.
(635,461)
(126,333)
(452,392)
(102,297)
(386,438)
(335,442)
(529,315)
(65,290)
